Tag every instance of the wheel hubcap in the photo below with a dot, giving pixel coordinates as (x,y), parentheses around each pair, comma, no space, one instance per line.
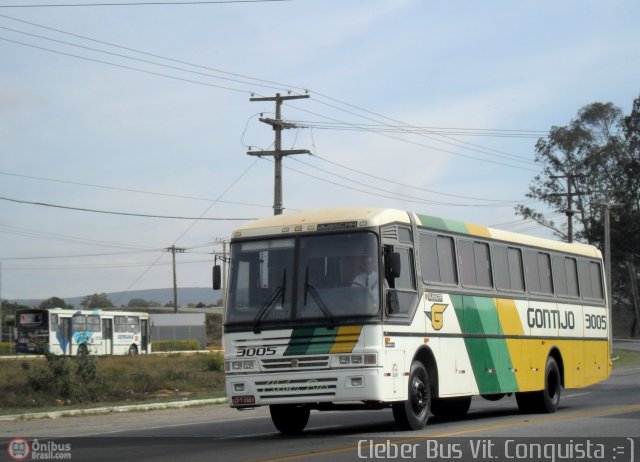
(418,396)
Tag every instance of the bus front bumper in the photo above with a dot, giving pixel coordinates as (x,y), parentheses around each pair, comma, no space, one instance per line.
(330,386)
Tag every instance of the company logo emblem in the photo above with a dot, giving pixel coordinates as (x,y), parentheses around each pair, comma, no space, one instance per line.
(436,315)
(19,449)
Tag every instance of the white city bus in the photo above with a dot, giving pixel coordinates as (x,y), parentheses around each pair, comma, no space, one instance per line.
(377,308)
(72,332)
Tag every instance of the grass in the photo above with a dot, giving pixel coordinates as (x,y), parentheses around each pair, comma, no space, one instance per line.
(34,386)
(626,359)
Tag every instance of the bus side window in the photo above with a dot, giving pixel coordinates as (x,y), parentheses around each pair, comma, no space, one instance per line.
(133,324)
(475,264)
(589,273)
(79,323)
(53,326)
(93,323)
(438,259)
(120,323)
(402,293)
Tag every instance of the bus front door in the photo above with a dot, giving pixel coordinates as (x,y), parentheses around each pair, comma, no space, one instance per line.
(66,337)
(144,325)
(107,336)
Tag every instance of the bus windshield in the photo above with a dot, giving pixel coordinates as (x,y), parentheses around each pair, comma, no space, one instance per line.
(305,278)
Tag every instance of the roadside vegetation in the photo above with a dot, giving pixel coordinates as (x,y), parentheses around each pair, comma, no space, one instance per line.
(626,359)
(32,385)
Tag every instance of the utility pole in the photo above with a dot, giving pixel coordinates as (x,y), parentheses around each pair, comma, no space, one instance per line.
(173,249)
(278,125)
(568,211)
(1,322)
(606,210)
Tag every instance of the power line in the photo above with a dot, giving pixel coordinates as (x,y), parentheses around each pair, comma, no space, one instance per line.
(403,196)
(459,131)
(114,188)
(435,148)
(37,234)
(197,66)
(391,195)
(49,257)
(97,266)
(407,185)
(457,143)
(146,61)
(189,2)
(417,131)
(158,74)
(80,209)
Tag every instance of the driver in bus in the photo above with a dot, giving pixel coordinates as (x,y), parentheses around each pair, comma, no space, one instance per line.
(368,277)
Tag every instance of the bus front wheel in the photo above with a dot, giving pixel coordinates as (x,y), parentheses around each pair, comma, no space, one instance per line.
(133,350)
(289,418)
(413,413)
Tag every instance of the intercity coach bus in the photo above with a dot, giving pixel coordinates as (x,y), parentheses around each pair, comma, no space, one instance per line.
(376,308)
(72,332)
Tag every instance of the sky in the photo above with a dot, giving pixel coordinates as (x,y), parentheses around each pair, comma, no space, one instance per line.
(433,107)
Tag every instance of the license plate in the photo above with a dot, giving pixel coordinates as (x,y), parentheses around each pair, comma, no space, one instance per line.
(243,400)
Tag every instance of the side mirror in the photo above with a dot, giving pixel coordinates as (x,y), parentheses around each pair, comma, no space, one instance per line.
(217,277)
(393,266)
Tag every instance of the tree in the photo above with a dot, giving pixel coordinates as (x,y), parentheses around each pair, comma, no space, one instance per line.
(53,302)
(597,158)
(96,301)
(138,303)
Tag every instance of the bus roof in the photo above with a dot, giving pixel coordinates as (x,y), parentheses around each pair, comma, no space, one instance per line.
(354,218)
(99,311)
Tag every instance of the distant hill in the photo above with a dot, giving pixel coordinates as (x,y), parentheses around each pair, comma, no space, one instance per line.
(163,296)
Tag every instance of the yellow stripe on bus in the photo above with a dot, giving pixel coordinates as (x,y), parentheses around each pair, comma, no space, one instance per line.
(346,339)
(478,230)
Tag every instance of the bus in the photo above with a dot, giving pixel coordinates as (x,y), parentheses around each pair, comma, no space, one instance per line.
(376,308)
(74,332)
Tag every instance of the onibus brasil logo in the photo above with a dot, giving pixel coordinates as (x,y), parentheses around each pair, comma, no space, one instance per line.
(21,449)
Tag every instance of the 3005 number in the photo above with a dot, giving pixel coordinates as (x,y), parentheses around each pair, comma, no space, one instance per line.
(595,321)
(260,351)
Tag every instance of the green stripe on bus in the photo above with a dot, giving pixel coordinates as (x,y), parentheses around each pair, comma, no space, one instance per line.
(311,340)
(443,224)
(490,360)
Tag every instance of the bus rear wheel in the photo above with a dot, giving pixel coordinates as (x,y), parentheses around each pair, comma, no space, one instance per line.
(289,418)
(544,401)
(413,413)
(133,350)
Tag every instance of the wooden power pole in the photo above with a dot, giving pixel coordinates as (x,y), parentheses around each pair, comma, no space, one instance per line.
(278,125)
(173,249)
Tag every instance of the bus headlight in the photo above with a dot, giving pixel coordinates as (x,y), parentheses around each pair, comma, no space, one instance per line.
(233,366)
(357,360)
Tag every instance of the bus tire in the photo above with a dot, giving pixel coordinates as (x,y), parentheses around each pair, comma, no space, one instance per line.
(133,350)
(413,413)
(451,408)
(544,401)
(549,398)
(289,418)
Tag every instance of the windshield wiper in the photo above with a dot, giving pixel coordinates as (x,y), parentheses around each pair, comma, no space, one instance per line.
(309,289)
(270,303)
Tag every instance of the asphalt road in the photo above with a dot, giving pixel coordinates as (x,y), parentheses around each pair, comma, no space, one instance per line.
(493,431)
(633,345)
